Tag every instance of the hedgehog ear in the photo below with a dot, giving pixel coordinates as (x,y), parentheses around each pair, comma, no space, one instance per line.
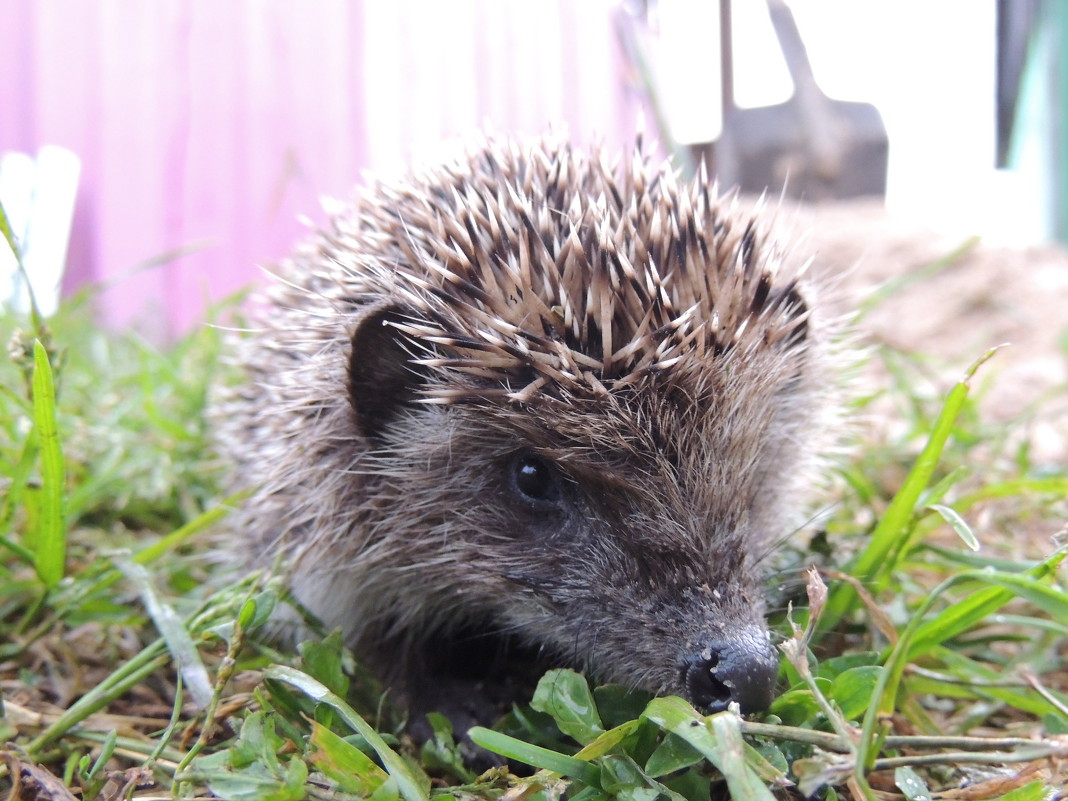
(382,377)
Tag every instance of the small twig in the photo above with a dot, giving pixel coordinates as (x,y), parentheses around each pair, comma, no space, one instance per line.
(973,750)
(1036,684)
(796,650)
(1028,749)
(819,739)
(971,681)
(223,674)
(1041,749)
(963,743)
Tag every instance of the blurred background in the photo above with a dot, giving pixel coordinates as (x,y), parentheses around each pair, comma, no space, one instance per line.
(183,144)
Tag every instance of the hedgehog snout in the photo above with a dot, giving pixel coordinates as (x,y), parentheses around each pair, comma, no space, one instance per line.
(741,669)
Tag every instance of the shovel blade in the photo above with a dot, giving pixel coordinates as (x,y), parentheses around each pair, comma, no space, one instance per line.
(768,148)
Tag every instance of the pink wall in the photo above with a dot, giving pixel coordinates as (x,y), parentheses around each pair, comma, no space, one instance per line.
(209,127)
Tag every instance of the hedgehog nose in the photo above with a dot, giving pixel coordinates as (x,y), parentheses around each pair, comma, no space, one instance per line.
(742,669)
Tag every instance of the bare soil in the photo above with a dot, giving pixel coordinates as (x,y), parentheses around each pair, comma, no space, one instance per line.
(954,299)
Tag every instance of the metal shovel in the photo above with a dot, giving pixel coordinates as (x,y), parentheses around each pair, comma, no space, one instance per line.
(811,146)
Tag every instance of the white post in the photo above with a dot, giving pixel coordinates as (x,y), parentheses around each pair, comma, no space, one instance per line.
(38,196)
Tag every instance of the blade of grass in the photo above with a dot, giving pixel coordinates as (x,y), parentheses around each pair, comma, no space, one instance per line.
(961,616)
(9,236)
(966,678)
(172,629)
(1053,485)
(200,523)
(24,554)
(344,762)
(884,697)
(536,756)
(894,286)
(958,523)
(19,479)
(165,736)
(144,664)
(50,542)
(875,564)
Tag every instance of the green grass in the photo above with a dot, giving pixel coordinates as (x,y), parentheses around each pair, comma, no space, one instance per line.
(126,669)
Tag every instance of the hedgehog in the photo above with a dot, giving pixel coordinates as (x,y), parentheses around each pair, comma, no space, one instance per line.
(534,407)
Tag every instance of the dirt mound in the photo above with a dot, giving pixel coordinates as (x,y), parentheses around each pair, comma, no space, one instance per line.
(955,298)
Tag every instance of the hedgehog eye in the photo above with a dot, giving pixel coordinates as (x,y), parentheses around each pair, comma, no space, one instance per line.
(535,479)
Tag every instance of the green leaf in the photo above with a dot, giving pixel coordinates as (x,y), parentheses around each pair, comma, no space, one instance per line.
(388,791)
(322,660)
(565,695)
(837,665)
(50,541)
(256,782)
(247,614)
(608,741)
(673,754)
(852,690)
(622,778)
(251,770)
(1055,724)
(349,767)
(258,741)
(441,753)
(1035,791)
(910,783)
(410,786)
(535,755)
(693,785)
(719,738)
(617,704)
(795,707)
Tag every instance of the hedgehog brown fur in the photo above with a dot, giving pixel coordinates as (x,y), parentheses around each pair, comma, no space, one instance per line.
(531,398)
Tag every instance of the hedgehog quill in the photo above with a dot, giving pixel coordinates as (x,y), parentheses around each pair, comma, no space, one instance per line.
(532,408)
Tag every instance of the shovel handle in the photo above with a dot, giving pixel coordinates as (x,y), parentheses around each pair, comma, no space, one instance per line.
(792,46)
(817,119)
(726,57)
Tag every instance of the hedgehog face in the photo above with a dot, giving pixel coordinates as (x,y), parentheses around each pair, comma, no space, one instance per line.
(539,397)
(617,532)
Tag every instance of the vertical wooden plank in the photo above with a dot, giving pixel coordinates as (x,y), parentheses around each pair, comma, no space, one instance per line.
(130,187)
(223,122)
(62,83)
(275,122)
(17,64)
